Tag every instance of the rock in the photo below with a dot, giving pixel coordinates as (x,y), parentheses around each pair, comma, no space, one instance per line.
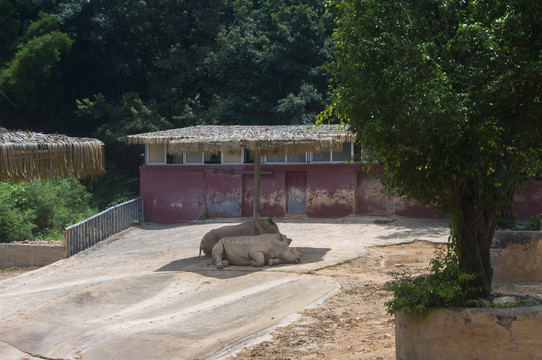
(505,301)
(478,303)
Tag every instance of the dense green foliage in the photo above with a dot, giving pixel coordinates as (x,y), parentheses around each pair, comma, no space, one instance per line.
(190,62)
(447,96)
(15,223)
(41,209)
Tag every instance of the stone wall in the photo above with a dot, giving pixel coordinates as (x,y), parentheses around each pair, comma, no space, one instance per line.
(469,333)
(516,256)
(21,255)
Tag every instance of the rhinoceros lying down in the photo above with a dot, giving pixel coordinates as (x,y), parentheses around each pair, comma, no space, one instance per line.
(264,226)
(270,249)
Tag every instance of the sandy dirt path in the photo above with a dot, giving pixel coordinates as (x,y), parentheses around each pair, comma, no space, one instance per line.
(144,295)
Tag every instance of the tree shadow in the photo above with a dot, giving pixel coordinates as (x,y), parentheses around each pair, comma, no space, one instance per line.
(416,228)
(204,265)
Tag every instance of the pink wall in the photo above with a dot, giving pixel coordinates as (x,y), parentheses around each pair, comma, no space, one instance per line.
(174,193)
(330,190)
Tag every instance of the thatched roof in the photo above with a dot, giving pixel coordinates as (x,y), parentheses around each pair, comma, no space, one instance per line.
(25,155)
(230,138)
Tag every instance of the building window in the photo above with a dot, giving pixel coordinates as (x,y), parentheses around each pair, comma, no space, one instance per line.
(175,159)
(193,158)
(322,157)
(297,158)
(290,159)
(209,158)
(232,158)
(335,156)
(342,156)
(275,159)
(156,154)
(248,156)
(197,158)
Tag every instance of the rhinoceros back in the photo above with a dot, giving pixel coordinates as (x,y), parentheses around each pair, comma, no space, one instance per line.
(264,226)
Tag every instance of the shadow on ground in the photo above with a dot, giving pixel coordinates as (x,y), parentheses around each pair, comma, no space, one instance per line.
(203,265)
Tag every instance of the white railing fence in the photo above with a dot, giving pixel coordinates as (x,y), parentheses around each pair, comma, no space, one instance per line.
(91,231)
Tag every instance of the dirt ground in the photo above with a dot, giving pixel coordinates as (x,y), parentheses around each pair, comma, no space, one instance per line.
(14,271)
(354,323)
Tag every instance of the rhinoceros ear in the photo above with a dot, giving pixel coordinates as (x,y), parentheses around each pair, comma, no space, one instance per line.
(284,237)
(288,240)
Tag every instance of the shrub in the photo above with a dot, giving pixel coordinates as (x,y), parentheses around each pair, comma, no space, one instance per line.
(57,204)
(446,286)
(41,209)
(535,224)
(14,224)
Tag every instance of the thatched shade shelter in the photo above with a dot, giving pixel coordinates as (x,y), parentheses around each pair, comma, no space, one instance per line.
(25,155)
(260,140)
(268,140)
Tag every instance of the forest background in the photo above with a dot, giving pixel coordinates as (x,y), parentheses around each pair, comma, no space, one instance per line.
(110,68)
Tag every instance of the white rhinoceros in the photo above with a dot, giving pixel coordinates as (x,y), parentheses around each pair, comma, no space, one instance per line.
(263,226)
(258,250)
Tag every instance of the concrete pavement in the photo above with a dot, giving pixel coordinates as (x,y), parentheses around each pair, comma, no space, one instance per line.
(144,293)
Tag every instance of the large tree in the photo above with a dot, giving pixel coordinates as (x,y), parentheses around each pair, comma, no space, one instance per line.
(447,96)
(31,91)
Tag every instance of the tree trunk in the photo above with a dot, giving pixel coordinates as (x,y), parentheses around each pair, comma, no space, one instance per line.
(506,219)
(473,228)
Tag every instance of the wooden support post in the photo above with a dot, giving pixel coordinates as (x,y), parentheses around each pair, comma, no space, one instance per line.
(355,193)
(256,202)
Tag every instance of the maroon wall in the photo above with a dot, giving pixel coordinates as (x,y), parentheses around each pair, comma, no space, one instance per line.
(330,190)
(528,201)
(171,193)
(174,193)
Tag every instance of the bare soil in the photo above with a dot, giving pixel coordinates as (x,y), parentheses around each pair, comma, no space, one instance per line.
(354,324)
(15,271)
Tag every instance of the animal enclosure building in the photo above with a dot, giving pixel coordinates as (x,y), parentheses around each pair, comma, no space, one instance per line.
(303,170)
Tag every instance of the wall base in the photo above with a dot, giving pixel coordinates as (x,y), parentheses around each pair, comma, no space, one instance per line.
(469,333)
(21,255)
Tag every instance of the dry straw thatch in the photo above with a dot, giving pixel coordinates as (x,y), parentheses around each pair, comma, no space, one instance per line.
(25,155)
(274,140)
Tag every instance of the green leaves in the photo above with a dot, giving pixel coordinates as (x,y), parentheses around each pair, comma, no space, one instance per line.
(41,209)
(9,29)
(266,68)
(30,81)
(131,116)
(446,286)
(36,64)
